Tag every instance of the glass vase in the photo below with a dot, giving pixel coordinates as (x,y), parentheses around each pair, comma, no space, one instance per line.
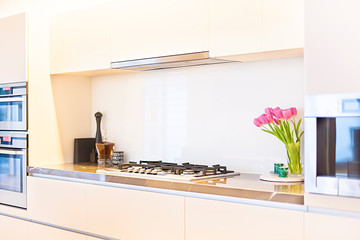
(293,153)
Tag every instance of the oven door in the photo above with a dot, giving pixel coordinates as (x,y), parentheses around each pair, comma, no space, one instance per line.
(13,177)
(13,113)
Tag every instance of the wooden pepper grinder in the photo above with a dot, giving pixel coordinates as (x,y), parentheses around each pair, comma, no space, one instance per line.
(98,137)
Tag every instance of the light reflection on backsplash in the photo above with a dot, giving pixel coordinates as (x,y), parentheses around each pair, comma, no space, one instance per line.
(165,119)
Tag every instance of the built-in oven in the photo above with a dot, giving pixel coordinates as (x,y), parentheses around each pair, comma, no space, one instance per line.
(332,144)
(13,106)
(13,163)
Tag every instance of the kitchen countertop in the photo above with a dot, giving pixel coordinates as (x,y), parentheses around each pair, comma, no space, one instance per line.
(245,186)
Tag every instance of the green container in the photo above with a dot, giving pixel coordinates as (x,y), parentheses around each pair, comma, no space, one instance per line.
(283,172)
(277,166)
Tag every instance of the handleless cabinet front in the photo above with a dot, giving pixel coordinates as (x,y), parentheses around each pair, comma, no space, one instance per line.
(143,29)
(283,24)
(234,27)
(134,215)
(41,232)
(13,229)
(79,40)
(13,51)
(240,27)
(329,227)
(57,202)
(213,220)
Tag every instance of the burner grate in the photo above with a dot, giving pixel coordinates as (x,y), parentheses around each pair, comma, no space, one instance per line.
(178,169)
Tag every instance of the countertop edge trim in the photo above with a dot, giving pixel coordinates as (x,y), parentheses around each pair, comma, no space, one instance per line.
(255,202)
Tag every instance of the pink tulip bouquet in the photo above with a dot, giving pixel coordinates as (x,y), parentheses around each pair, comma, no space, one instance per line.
(282,124)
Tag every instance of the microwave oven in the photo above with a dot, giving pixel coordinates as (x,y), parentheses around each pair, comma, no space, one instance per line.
(13,106)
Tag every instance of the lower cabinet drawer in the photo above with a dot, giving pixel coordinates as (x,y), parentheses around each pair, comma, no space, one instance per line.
(42,232)
(323,226)
(13,228)
(57,202)
(134,215)
(214,220)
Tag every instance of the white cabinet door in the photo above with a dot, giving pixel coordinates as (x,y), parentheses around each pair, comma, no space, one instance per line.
(134,215)
(282,24)
(13,51)
(213,220)
(79,40)
(254,26)
(57,202)
(321,226)
(234,27)
(332,47)
(13,229)
(42,232)
(142,28)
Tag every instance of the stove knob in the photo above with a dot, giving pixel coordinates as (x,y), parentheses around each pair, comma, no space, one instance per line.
(148,171)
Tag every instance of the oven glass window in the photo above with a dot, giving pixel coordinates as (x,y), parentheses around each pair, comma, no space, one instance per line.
(11,175)
(338,147)
(348,146)
(11,111)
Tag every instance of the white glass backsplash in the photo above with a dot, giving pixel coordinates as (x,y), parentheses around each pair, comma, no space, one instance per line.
(199,114)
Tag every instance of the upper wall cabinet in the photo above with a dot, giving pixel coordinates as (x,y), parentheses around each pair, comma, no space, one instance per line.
(13,49)
(234,27)
(283,24)
(332,47)
(253,26)
(143,28)
(79,40)
(91,38)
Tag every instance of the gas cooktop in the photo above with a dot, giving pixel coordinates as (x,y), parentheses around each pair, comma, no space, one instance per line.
(168,171)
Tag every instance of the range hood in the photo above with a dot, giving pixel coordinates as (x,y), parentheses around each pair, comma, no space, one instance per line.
(166,62)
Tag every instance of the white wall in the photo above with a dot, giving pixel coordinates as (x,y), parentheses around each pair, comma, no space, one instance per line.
(332,52)
(200,114)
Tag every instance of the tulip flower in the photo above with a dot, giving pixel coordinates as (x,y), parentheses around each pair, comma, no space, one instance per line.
(269,117)
(269,111)
(293,111)
(287,114)
(278,113)
(282,124)
(257,122)
(263,119)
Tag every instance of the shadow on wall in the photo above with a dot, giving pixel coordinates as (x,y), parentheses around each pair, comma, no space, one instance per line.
(72,99)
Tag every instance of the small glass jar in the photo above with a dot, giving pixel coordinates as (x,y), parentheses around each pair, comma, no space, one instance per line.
(105,152)
(118,158)
(277,166)
(283,172)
